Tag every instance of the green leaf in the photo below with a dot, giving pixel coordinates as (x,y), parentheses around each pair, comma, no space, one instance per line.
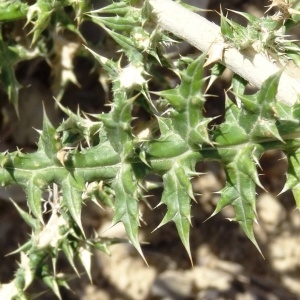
(7,73)
(69,253)
(126,204)
(169,144)
(52,283)
(34,199)
(119,8)
(216,71)
(10,55)
(266,129)
(117,121)
(72,197)
(238,87)
(249,102)
(188,101)
(264,101)
(85,257)
(39,14)
(241,176)
(231,132)
(259,119)
(117,125)
(226,27)
(247,16)
(267,94)
(32,222)
(128,44)
(115,23)
(12,10)
(49,141)
(177,196)
(108,65)
(293,175)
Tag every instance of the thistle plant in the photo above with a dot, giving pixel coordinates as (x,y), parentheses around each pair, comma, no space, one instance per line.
(106,158)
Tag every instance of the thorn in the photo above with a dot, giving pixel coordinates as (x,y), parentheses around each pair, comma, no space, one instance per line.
(217,192)
(257,161)
(284,189)
(212,215)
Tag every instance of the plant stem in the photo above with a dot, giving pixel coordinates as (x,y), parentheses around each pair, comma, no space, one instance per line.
(199,32)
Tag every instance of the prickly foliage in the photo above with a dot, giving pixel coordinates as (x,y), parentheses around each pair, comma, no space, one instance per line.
(37,17)
(105,158)
(268,34)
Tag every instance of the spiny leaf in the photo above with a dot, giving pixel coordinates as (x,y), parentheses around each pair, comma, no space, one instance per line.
(240,190)
(188,101)
(169,144)
(293,175)
(34,199)
(108,65)
(238,87)
(226,27)
(288,120)
(230,132)
(249,102)
(98,193)
(10,56)
(128,44)
(268,91)
(247,16)
(32,222)
(115,22)
(85,256)
(121,27)
(117,125)
(49,140)
(237,35)
(72,196)
(117,121)
(40,15)
(23,248)
(126,204)
(216,71)
(188,93)
(264,101)
(247,163)
(69,253)
(51,282)
(7,75)
(266,129)
(119,8)
(260,117)
(12,10)
(177,196)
